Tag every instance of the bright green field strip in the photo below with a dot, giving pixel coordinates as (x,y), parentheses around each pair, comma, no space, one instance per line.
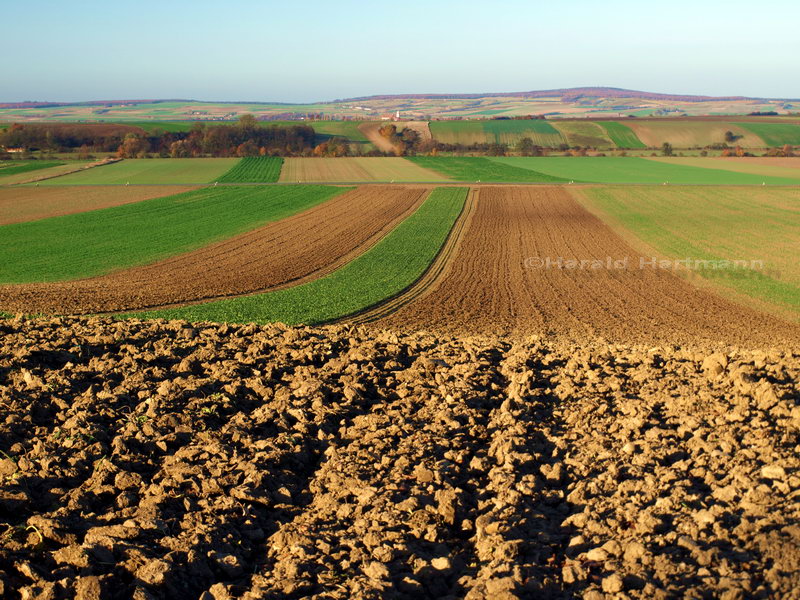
(616,169)
(775,134)
(717,224)
(150,171)
(386,269)
(346,129)
(622,135)
(254,169)
(15,167)
(474,169)
(584,134)
(496,131)
(96,242)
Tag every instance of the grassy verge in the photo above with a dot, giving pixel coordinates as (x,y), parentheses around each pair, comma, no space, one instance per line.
(386,269)
(475,169)
(258,169)
(99,241)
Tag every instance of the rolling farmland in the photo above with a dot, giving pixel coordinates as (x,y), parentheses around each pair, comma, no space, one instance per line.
(788,168)
(612,169)
(474,169)
(302,246)
(691,133)
(18,205)
(386,269)
(143,232)
(260,169)
(716,224)
(15,167)
(621,135)
(774,134)
(150,171)
(584,134)
(490,131)
(387,169)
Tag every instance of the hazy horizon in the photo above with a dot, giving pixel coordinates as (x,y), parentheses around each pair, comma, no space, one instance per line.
(271,52)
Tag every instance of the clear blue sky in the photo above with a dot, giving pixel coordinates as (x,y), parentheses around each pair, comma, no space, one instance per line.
(321,50)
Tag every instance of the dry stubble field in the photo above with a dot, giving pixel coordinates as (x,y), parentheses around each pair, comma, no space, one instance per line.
(508,452)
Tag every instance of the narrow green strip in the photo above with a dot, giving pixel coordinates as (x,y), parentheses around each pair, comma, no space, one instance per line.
(386,269)
(255,169)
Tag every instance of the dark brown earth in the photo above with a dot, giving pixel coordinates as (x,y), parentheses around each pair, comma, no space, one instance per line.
(301,247)
(487,287)
(163,460)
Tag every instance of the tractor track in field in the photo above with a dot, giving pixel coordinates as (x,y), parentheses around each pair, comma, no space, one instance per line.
(427,280)
(281,254)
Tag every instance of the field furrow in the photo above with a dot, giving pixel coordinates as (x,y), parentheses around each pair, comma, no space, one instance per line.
(512,275)
(290,251)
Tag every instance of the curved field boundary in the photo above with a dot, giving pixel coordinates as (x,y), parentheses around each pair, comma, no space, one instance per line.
(254,169)
(52,172)
(427,280)
(774,134)
(388,267)
(299,248)
(583,133)
(184,171)
(622,135)
(22,204)
(16,167)
(498,282)
(97,242)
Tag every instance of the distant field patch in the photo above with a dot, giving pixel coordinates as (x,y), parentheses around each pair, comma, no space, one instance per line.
(584,134)
(715,223)
(496,131)
(622,135)
(475,169)
(785,168)
(29,203)
(385,169)
(151,171)
(615,169)
(96,242)
(18,167)
(691,134)
(775,134)
(254,169)
(387,268)
(39,174)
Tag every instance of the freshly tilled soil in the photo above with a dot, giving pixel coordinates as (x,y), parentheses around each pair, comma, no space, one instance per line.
(169,460)
(287,252)
(498,281)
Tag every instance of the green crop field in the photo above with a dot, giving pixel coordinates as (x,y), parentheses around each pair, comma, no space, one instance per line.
(622,135)
(150,171)
(477,168)
(15,167)
(615,169)
(716,223)
(584,133)
(775,134)
(386,269)
(496,131)
(96,242)
(258,169)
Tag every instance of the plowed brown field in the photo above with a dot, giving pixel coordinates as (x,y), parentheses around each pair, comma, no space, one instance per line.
(488,288)
(19,204)
(304,246)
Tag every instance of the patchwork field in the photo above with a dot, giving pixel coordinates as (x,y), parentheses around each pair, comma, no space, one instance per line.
(300,247)
(384,169)
(97,242)
(614,169)
(584,134)
(787,168)
(21,204)
(621,135)
(498,281)
(775,134)
(151,171)
(393,264)
(477,169)
(30,176)
(691,134)
(262,169)
(18,167)
(717,224)
(490,131)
